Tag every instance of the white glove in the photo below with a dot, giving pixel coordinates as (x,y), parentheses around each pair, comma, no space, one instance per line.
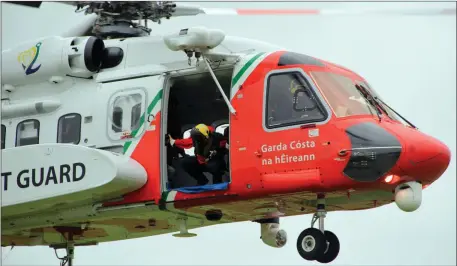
(172,141)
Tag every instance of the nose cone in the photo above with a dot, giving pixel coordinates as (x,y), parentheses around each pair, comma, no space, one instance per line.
(427,157)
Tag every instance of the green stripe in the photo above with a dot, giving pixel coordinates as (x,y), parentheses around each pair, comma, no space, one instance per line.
(244,68)
(165,195)
(150,107)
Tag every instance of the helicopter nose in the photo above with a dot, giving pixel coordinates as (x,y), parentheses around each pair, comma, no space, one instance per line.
(427,157)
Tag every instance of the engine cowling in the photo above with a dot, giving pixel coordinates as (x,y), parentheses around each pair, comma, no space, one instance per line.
(408,196)
(38,61)
(272,235)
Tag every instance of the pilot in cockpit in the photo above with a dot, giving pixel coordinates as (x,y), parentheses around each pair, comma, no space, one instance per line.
(286,104)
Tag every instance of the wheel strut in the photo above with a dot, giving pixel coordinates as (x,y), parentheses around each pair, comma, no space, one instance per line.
(70,253)
(320,213)
(70,248)
(318,244)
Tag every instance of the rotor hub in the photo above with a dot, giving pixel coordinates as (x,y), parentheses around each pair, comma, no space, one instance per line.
(116,19)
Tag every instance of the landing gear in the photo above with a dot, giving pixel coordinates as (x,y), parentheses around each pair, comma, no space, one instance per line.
(311,244)
(67,260)
(318,244)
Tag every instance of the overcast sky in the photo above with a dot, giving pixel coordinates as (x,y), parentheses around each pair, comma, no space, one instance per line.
(410,61)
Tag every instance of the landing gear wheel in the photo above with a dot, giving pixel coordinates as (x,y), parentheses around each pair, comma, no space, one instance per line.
(332,250)
(311,244)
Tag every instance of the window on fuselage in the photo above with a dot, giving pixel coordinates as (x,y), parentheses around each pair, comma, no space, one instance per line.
(28,132)
(342,94)
(291,101)
(135,116)
(69,128)
(128,104)
(3,136)
(117,119)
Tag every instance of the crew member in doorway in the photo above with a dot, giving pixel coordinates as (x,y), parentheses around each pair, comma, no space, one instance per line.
(209,148)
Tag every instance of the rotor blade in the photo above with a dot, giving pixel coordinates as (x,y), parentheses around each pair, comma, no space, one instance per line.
(34,4)
(182,10)
(71,3)
(37,4)
(82,29)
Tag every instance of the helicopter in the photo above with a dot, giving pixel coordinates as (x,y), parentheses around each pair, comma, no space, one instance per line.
(85,117)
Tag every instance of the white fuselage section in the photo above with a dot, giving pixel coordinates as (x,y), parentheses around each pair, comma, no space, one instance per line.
(46,176)
(146,60)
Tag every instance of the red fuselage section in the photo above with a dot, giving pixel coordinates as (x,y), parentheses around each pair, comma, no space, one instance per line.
(307,125)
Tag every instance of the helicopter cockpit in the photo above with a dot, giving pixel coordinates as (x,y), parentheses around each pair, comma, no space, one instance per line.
(292,98)
(297,102)
(345,96)
(348,97)
(342,95)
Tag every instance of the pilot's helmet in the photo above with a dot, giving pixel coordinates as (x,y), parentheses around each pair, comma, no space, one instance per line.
(200,130)
(294,86)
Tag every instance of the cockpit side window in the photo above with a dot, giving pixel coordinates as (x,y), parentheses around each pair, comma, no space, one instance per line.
(291,101)
(342,94)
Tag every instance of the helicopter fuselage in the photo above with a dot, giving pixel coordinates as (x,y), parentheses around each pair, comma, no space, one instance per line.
(84,144)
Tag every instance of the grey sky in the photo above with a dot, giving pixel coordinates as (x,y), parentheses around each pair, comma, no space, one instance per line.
(410,61)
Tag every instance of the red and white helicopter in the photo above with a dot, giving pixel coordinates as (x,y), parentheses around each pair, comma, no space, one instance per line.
(85,117)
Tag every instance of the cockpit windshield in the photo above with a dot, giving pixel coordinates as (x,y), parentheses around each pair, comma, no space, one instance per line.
(373,93)
(342,94)
(348,98)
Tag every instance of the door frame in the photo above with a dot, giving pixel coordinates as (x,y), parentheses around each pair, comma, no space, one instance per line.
(168,82)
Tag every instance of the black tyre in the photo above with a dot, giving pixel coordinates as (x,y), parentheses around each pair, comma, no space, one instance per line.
(311,244)
(332,250)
